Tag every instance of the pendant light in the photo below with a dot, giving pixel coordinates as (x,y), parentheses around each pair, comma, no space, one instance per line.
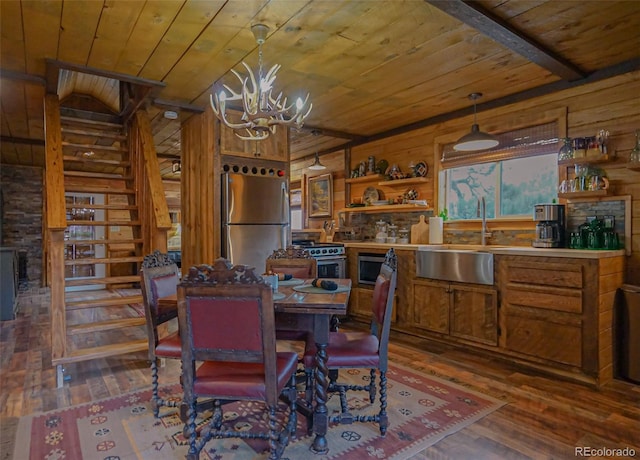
(476,139)
(317,166)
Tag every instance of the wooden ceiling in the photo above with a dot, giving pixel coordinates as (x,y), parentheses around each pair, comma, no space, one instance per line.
(372,67)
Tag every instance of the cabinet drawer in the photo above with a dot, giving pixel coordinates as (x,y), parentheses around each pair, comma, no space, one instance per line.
(545,273)
(549,298)
(554,341)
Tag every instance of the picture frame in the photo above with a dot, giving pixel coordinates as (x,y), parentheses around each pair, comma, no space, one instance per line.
(295,197)
(320,196)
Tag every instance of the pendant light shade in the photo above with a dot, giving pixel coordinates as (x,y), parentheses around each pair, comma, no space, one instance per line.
(476,139)
(317,166)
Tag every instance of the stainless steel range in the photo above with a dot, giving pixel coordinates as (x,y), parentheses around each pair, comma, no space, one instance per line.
(331,258)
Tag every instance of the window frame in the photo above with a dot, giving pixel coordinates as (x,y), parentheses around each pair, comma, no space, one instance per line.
(510,121)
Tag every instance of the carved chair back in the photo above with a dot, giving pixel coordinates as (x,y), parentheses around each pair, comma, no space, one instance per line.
(226,314)
(296,262)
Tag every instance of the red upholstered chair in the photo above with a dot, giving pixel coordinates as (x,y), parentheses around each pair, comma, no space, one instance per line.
(227,323)
(369,350)
(159,278)
(300,264)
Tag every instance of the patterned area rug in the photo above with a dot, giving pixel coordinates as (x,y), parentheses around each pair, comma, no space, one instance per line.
(422,410)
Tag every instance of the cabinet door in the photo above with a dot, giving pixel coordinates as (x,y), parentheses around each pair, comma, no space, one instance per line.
(431,305)
(474,314)
(274,147)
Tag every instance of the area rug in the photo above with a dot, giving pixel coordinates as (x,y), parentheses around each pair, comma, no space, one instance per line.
(422,410)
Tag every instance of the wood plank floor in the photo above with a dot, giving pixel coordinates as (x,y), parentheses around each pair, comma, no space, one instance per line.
(544,418)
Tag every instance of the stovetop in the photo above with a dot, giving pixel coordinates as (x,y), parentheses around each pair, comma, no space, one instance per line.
(321,249)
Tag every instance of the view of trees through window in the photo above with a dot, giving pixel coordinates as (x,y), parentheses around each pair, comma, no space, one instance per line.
(510,187)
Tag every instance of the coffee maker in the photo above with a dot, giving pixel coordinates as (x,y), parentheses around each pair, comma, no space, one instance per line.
(550,227)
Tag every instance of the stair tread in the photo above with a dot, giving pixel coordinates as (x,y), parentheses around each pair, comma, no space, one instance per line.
(106,325)
(101,133)
(98,223)
(87,122)
(92,147)
(99,190)
(106,280)
(103,351)
(121,207)
(96,175)
(108,260)
(121,163)
(86,241)
(107,302)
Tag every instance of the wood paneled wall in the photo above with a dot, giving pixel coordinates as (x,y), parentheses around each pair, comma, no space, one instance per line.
(611,104)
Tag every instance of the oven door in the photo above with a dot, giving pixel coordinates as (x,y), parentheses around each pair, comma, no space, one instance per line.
(332,267)
(369,267)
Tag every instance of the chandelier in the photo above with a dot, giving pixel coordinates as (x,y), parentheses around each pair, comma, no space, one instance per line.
(262,112)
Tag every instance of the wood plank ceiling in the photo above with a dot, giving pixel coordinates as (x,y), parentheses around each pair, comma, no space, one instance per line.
(372,67)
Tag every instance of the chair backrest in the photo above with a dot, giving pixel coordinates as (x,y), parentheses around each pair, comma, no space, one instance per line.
(159,277)
(382,304)
(297,262)
(225,313)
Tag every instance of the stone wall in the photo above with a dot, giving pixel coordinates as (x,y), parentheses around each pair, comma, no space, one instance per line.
(22,214)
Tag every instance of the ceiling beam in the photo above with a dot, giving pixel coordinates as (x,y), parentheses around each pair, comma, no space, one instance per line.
(21,76)
(474,15)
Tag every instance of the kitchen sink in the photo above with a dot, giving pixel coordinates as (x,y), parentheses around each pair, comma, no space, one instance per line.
(462,264)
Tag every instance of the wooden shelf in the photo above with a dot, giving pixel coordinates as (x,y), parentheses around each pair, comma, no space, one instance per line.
(585,194)
(633,166)
(407,181)
(370,178)
(584,160)
(389,208)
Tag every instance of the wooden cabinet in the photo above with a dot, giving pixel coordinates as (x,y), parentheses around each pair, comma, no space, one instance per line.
(467,312)
(542,307)
(275,147)
(362,295)
(558,312)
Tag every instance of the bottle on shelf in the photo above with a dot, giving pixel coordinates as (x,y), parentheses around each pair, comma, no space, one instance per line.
(566,152)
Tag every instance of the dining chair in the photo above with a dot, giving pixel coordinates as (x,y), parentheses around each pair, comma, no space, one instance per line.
(297,262)
(227,323)
(159,278)
(363,350)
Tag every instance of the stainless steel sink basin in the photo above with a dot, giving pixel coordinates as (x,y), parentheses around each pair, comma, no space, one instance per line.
(465,265)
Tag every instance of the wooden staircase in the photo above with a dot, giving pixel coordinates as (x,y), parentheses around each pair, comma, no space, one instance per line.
(94,259)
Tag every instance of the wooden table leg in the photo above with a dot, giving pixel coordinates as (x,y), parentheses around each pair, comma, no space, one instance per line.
(320,414)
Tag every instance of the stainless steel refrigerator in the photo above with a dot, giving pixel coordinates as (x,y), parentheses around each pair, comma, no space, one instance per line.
(255,218)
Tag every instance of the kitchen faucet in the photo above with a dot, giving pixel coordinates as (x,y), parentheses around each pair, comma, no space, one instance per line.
(482,211)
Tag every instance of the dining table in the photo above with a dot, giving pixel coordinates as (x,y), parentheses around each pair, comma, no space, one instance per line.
(301,306)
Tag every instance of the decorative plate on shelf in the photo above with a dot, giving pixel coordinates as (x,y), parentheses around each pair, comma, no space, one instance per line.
(421,169)
(370,195)
(410,194)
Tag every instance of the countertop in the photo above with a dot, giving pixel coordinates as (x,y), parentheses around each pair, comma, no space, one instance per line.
(501,250)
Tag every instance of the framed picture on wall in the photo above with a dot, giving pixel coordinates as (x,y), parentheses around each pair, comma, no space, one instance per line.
(320,196)
(295,197)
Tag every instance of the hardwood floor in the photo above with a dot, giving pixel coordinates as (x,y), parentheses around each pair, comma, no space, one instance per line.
(544,418)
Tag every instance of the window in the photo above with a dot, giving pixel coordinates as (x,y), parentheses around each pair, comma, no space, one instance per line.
(521,172)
